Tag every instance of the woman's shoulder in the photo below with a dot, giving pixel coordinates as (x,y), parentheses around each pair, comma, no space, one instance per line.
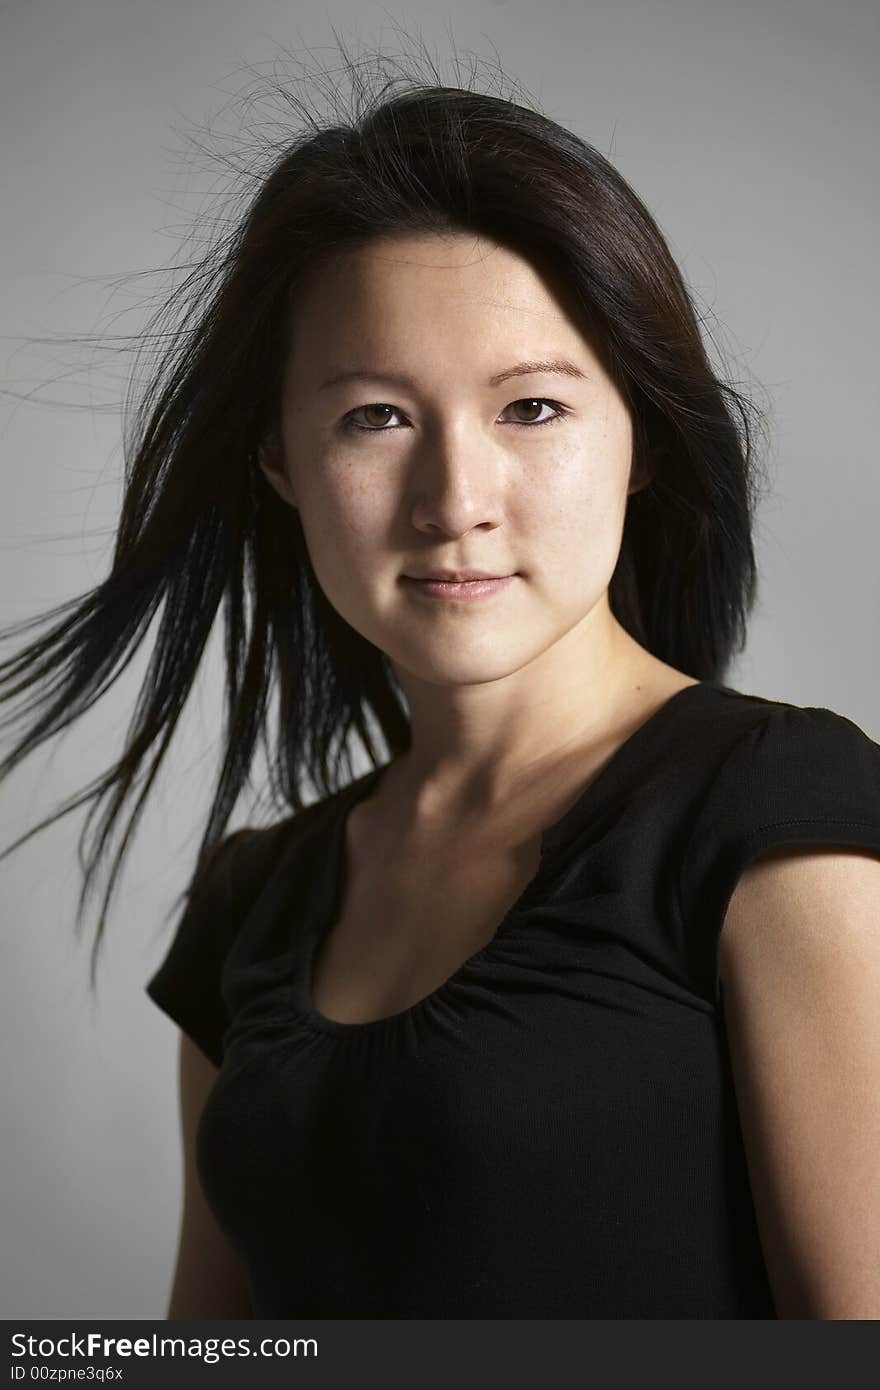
(261,843)
(223,914)
(242,860)
(723,726)
(782,774)
(763,728)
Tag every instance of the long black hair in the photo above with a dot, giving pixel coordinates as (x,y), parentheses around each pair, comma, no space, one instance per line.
(201,524)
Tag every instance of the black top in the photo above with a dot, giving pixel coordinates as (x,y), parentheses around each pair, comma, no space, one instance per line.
(553,1132)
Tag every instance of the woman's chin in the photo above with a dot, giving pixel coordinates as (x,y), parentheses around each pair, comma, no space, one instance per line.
(467,662)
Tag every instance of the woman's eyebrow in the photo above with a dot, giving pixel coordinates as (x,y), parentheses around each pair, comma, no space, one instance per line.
(558,366)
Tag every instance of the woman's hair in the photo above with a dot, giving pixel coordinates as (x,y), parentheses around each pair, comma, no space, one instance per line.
(201,524)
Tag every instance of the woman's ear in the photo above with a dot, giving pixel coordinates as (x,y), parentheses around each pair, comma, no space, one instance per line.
(641,474)
(270,457)
(647,463)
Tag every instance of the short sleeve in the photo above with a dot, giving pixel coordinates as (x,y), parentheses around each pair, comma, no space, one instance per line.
(186,985)
(802,776)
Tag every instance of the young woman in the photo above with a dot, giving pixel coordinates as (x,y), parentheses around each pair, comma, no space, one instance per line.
(463,1036)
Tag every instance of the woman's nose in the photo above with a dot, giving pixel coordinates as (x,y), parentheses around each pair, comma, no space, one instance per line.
(455,485)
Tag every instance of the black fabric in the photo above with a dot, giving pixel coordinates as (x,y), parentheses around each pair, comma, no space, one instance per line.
(554,1131)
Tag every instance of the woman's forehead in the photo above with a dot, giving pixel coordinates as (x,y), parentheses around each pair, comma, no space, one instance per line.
(423,295)
(464,270)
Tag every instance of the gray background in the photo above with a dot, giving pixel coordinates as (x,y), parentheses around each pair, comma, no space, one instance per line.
(749,130)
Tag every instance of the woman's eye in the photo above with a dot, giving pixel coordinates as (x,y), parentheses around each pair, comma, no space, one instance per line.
(374,427)
(379,427)
(538,401)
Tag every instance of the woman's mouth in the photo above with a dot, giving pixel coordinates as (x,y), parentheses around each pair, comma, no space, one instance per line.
(459,589)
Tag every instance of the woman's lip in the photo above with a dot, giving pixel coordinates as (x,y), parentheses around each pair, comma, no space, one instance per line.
(459,589)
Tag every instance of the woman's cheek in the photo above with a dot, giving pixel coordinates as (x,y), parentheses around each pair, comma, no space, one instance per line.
(347,543)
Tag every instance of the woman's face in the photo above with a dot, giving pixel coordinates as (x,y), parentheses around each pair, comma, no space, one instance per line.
(428,460)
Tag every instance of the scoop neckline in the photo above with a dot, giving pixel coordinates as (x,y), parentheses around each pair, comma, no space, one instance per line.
(324,904)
